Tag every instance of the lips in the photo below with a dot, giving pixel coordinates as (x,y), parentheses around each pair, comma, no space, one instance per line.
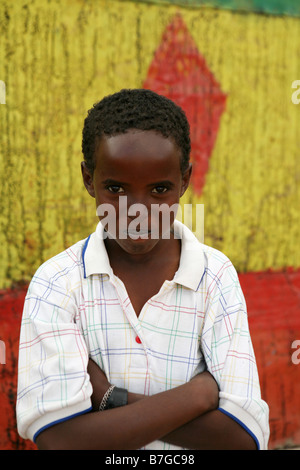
(138,233)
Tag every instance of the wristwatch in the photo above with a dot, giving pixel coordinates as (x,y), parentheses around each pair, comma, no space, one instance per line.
(118,397)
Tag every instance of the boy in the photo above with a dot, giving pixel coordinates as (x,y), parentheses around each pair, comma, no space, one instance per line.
(137,337)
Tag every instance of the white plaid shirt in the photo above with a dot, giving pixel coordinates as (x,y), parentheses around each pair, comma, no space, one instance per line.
(77,308)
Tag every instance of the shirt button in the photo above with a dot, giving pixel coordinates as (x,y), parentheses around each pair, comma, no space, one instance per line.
(138,340)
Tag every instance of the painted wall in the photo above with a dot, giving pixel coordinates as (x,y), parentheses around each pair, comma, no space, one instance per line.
(274,7)
(232,72)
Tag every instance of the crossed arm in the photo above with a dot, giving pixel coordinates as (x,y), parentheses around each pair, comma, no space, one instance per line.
(185,416)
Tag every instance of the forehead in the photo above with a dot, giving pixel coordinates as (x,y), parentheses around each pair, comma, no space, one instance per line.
(137,149)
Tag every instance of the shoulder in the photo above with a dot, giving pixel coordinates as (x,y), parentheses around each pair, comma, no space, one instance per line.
(201,263)
(215,259)
(64,268)
(221,282)
(219,271)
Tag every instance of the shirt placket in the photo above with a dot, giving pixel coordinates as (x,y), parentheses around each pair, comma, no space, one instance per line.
(139,363)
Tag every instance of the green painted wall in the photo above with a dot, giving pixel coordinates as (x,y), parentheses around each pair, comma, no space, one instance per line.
(271,7)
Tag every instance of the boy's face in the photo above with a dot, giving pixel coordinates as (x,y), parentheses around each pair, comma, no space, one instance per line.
(139,167)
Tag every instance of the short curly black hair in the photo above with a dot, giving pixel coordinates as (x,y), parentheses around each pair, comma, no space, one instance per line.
(135,109)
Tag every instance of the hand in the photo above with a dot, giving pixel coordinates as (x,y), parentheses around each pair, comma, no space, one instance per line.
(99,382)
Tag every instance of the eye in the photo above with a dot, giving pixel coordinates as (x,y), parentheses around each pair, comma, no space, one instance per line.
(114,188)
(160,189)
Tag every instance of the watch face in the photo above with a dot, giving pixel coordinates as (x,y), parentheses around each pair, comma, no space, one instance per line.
(118,397)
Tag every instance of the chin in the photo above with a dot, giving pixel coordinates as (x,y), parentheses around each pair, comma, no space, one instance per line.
(138,246)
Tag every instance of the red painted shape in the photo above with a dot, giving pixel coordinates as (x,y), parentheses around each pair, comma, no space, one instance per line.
(11,307)
(273,300)
(179,72)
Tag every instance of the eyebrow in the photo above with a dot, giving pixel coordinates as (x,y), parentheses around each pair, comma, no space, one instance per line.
(155,183)
(111,181)
(164,182)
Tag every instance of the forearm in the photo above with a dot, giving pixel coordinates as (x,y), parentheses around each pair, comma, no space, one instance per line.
(210,431)
(132,426)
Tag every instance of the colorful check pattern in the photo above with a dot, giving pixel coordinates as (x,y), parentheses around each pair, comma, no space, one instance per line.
(76,307)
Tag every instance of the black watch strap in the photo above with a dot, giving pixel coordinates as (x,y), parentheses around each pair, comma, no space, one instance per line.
(118,397)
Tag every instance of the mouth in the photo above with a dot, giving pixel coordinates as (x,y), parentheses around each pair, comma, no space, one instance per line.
(137,235)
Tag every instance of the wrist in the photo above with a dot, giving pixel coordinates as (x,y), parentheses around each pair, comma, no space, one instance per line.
(114,397)
(133,397)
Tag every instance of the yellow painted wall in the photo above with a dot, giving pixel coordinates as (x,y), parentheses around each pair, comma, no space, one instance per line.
(58,58)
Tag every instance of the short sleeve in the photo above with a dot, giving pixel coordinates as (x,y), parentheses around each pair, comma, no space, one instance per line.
(53,383)
(229,355)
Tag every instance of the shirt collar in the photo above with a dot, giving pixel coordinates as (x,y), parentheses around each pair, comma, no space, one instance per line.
(191,265)
(94,255)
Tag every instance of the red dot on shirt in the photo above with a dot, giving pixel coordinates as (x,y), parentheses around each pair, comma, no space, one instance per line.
(138,340)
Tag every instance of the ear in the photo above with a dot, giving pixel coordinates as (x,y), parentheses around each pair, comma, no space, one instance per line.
(186,180)
(87,179)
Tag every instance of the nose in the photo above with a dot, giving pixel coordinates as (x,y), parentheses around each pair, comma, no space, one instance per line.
(139,210)
(138,206)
